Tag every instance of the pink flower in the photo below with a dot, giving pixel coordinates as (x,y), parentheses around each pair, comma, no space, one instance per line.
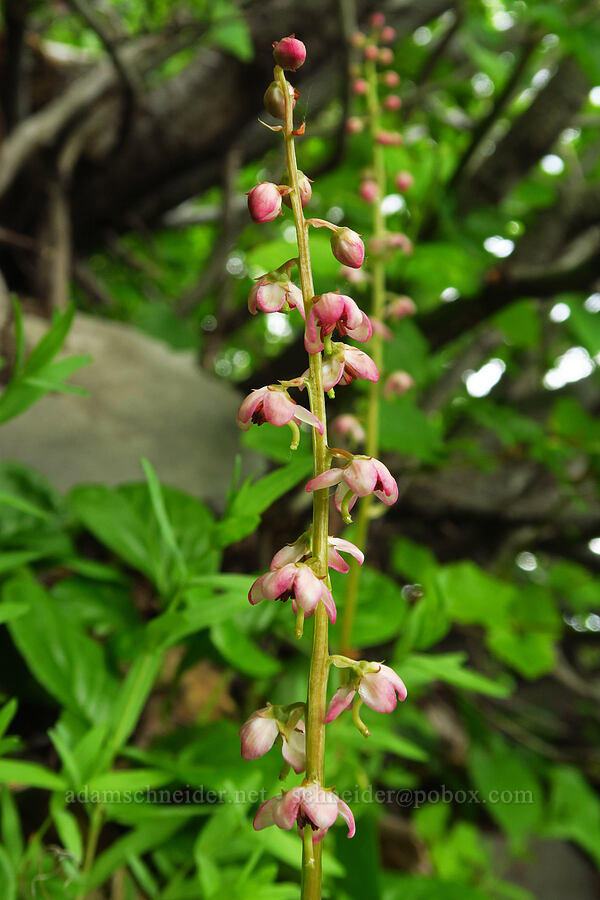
(354,125)
(371,52)
(289,53)
(380,690)
(369,191)
(359,86)
(391,79)
(272,404)
(388,34)
(297,582)
(364,475)
(274,100)
(355,276)
(386,57)
(272,291)
(264,202)
(345,364)
(398,383)
(393,241)
(331,310)
(381,329)
(347,247)
(378,20)
(393,102)
(261,730)
(300,550)
(358,39)
(349,426)
(389,138)
(305,805)
(404,181)
(400,307)
(305,191)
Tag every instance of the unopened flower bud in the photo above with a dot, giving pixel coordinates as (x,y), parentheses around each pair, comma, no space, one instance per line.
(274,100)
(347,247)
(305,191)
(354,125)
(371,52)
(378,20)
(388,34)
(393,102)
(264,202)
(404,181)
(385,56)
(389,138)
(391,78)
(358,39)
(400,307)
(289,53)
(360,86)
(369,191)
(398,383)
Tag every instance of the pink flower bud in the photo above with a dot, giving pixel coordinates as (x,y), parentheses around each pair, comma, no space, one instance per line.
(371,52)
(399,241)
(264,202)
(360,86)
(272,291)
(305,191)
(393,102)
(289,53)
(386,56)
(274,100)
(358,39)
(347,247)
(369,191)
(398,383)
(400,307)
(348,426)
(354,125)
(378,20)
(388,34)
(305,806)
(404,181)
(389,138)
(391,79)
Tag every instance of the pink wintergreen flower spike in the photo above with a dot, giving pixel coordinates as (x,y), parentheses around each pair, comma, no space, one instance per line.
(305,805)
(272,404)
(380,690)
(330,310)
(363,476)
(297,582)
(264,202)
(272,291)
(260,731)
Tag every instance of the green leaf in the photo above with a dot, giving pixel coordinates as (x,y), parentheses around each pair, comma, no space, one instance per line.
(8,880)
(131,699)
(164,525)
(67,827)
(405,429)
(136,842)
(30,774)
(520,322)
(381,608)
(242,653)
(423,669)
(22,505)
(473,596)
(7,714)
(229,29)
(573,810)
(47,348)
(12,837)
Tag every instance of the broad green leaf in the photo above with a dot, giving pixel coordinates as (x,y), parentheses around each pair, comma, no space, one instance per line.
(381,608)
(421,669)
(67,827)
(405,429)
(19,771)
(137,841)
(162,518)
(241,652)
(473,596)
(8,879)
(12,836)
(573,810)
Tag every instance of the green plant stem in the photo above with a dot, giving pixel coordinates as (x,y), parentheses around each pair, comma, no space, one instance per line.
(319,663)
(91,846)
(378,299)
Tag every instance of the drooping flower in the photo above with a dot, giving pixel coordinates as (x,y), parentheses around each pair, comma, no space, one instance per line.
(391,78)
(272,291)
(369,190)
(386,56)
(399,307)
(306,805)
(381,329)
(347,247)
(261,730)
(346,364)
(305,191)
(359,86)
(389,138)
(404,181)
(273,404)
(289,53)
(364,475)
(331,310)
(354,125)
(297,582)
(380,688)
(378,20)
(349,426)
(354,276)
(274,99)
(371,52)
(264,202)
(388,34)
(393,102)
(301,548)
(398,383)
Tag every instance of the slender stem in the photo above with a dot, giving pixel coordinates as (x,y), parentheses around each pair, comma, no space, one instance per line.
(319,663)
(376,347)
(91,845)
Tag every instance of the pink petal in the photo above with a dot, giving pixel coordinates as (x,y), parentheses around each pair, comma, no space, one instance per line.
(294,751)
(278,409)
(386,483)
(319,805)
(256,594)
(291,553)
(328,603)
(378,689)
(265,814)
(307,589)
(294,298)
(333,369)
(361,476)
(312,338)
(329,308)
(279,581)
(335,561)
(353,316)
(395,679)
(257,736)
(360,365)
(249,407)
(362,331)
(285,815)
(304,415)
(346,814)
(345,546)
(270,296)
(341,700)
(325,480)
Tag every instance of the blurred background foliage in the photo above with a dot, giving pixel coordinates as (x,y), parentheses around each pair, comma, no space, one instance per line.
(129,657)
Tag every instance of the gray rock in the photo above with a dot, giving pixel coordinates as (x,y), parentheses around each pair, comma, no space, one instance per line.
(144,400)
